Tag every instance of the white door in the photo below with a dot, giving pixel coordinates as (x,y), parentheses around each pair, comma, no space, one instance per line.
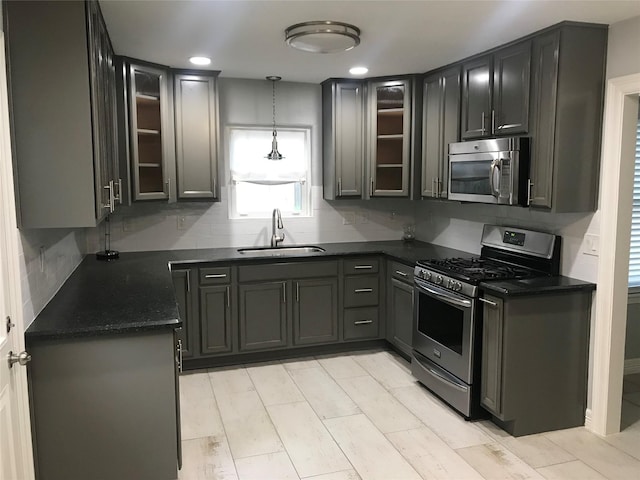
(15,438)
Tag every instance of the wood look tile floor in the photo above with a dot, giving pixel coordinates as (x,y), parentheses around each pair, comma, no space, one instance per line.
(363,416)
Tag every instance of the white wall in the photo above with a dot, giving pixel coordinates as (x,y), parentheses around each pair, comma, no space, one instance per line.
(154,226)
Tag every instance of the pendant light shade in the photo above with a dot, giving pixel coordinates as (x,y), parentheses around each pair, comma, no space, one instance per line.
(274,154)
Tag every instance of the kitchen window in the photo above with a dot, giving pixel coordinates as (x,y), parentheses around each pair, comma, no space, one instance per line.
(259,185)
(634,255)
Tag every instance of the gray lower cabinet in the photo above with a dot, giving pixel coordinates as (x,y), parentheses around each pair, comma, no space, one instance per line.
(61,85)
(440,127)
(216,320)
(568,66)
(343,109)
(187,335)
(400,315)
(534,360)
(263,314)
(315,311)
(196,125)
(105,407)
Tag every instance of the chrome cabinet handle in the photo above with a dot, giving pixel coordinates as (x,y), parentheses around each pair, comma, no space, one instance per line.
(180,355)
(339,186)
(363,267)
(118,197)
(489,302)
(371,191)
(363,290)
(402,274)
(216,275)
(228,297)
(284,292)
(112,199)
(493,121)
(168,185)
(529,185)
(363,322)
(482,123)
(297,291)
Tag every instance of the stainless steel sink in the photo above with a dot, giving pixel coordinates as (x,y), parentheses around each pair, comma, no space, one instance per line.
(278,251)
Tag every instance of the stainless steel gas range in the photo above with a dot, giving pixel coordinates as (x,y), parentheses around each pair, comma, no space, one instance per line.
(448,318)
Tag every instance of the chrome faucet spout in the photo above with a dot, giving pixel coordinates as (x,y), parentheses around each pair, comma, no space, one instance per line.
(276,223)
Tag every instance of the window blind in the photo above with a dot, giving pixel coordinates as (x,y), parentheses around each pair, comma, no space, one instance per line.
(634,255)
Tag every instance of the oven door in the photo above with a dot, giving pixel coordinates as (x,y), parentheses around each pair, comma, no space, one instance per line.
(444,328)
(490,177)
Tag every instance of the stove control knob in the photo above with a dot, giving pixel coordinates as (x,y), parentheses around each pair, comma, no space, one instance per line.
(421,274)
(439,279)
(427,276)
(457,287)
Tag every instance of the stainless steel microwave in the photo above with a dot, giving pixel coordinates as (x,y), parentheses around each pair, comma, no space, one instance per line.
(489,171)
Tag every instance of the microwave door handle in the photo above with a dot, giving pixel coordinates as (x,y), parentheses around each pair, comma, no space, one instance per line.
(492,170)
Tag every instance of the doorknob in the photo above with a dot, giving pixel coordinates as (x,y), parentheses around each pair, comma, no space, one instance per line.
(22,358)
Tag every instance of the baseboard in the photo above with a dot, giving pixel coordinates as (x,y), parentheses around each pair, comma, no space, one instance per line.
(632,365)
(587,419)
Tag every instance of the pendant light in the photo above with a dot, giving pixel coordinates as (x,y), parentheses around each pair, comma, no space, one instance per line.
(274,154)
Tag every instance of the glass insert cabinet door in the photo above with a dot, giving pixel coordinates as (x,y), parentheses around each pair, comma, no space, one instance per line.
(148,97)
(390,107)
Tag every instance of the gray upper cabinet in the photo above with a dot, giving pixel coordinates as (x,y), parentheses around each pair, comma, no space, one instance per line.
(343,138)
(440,126)
(60,59)
(568,66)
(152,134)
(196,122)
(315,311)
(495,93)
(389,145)
(263,315)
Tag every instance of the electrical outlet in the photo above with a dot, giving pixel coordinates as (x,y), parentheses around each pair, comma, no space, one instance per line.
(591,244)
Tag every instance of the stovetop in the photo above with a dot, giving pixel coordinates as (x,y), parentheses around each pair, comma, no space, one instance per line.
(477,269)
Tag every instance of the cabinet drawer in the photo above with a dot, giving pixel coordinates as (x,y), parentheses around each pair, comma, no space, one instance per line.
(286,271)
(361,291)
(362,265)
(361,323)
(215,275)
(400,271)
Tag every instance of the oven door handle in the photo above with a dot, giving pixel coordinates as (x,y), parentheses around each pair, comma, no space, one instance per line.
(458,302)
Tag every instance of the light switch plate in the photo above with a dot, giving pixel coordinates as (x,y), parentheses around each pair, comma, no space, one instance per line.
(591,245)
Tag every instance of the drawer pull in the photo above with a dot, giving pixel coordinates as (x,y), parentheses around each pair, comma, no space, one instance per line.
(216,275)
(489,302)
(401,273)
(363,290)
(363,267)
(363,322)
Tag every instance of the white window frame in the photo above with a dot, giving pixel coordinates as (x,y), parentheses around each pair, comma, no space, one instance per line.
(306,210)
(634,250)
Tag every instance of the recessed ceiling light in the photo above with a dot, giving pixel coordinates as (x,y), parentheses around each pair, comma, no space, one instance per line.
(358,70)
(200,60)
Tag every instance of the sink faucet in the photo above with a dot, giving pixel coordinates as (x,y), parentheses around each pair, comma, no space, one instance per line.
(276,221)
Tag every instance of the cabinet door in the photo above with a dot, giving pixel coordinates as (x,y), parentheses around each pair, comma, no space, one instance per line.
(315,311)
(476,98)
(215,320)
(441,126)
(400,315)
(263,315)
(511,73)
(349,139)
(390,136)
(492,330)
(182,280)
(150,129)
(431,135)
(196,136)
(543,105)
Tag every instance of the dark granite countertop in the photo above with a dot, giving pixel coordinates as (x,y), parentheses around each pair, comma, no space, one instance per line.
(135,293)
(535,286)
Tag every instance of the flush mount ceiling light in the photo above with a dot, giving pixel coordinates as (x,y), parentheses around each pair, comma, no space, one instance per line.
(200,60)
(358,70)
(322,36)
(274,154)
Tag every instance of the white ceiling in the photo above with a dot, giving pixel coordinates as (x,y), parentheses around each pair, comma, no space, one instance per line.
(246,38)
